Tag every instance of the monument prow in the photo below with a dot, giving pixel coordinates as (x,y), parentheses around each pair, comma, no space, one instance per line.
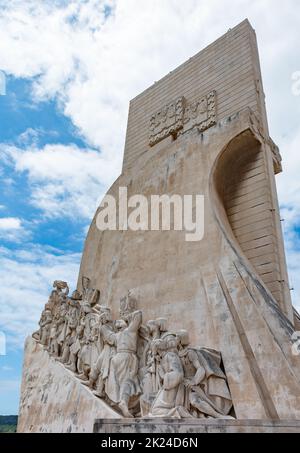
(201,130)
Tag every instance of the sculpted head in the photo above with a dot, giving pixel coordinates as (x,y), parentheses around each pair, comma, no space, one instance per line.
(86,308)
(171,341)
(85,283)
(157,326)
(105,315)
(158,346)
(48,313)
(120,325)
(59,285)
(184,337)
(76,295)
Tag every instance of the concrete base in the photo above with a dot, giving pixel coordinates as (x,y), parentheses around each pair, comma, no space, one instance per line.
(53,400)
(174,426)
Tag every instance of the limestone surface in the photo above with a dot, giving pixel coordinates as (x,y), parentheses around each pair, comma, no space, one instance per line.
(201,130)
(53,400)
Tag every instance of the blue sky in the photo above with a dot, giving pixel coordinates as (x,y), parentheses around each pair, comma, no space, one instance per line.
(19,116)
(71,68)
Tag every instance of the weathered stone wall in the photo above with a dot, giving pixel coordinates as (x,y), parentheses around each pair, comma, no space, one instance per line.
(53,400)
(209,287)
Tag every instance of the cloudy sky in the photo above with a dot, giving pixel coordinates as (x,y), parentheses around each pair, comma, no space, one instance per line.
(71,68)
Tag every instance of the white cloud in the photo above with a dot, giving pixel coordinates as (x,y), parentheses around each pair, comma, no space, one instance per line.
(10,223)
(12,230)
(94,65)
(26,277)
(65,180)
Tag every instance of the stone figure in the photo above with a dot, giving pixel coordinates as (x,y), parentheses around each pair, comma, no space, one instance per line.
(206,388)
(90,296)
(58,296)
(122,382)
(169,401)
(90,349)
(99,372)
(149,360)
(45,327)
(68,334)
(75,348)
(58,329)
(53,346)
(83,332)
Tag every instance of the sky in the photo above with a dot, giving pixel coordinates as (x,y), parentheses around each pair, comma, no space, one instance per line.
(71,68)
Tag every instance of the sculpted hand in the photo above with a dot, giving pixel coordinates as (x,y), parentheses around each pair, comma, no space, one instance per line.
(188,383)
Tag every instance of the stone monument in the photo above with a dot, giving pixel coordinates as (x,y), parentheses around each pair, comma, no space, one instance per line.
(196,333)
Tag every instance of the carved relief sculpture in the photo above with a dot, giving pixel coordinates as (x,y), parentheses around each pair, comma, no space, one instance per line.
(179,117)
(167,121)
(201,113)
(169,401)
(122,382)
(100,369)
(139,369)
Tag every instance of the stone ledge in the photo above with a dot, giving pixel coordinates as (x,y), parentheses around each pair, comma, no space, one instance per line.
(173,426)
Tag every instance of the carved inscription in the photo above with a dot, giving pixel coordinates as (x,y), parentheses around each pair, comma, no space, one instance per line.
(201,113)
(167,121)
(180,117)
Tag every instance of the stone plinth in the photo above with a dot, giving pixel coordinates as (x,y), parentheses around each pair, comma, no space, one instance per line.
(53,400)
(173,426)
